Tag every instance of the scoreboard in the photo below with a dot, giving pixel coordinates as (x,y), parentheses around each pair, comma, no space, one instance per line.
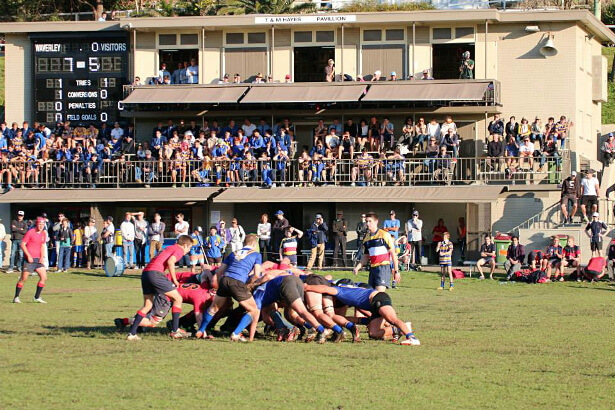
(79,78)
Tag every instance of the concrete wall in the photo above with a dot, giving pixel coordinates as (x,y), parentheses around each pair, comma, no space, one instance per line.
(18,78)
(514,208)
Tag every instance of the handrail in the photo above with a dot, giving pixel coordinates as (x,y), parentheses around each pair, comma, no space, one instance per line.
(527,224)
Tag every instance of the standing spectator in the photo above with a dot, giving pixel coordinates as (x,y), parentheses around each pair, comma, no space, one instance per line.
(462,231)
(487,257)
(569,196)
(495,152)
(214,246)
(445,253)
(55,230)
(90,236)
(225,233)
(238,235)
(107,236)
(141,228)
(361,232)
(594,230)
(290,245)
(78,250)
(182,228)
(426,75)
(318,238)
(127,228)
(192,72)
(196,252)
(277,230)
(18,231)
(65,237)
(392,225)
(2,243)
(379,251)
(514,257)
(155,236)
(263,230)
(591,192)
(608,150)
(466,69)
(330,71)
(414,232)
(340,231)
(437,233)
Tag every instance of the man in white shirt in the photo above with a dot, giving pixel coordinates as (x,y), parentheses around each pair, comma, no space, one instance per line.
(140,238)
(163,72)
(414,228)
(2,245)
(248,128)
(591,193)
(117,132)
(182,228)
(192,72)
(127,228)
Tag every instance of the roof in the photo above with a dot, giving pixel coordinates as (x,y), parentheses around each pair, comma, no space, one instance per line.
(185,94)
(419,194)
(423,17)
(28,196)
(303,93)
(427,91)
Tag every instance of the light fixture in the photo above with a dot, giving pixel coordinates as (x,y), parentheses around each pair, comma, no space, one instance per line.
(532,29)
(202,113)
(190,203)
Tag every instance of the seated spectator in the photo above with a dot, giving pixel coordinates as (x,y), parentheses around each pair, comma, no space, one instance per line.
(362,167)
(236,79)
(525,130)
(346,147)
(395,168)
(515,256)
(447,125)
(495,152)
(550,149)
(526,151)
(377,76)
(393,76)
(451,142)
(426,75)
(512,128)
(553,258)
(571,257)
(332,141)
(387,131)
(487,257)
(538,131)
(496,126)
(224,80)
(608,150)
(363,134)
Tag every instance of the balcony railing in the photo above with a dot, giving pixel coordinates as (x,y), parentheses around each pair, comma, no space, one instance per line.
(338,172)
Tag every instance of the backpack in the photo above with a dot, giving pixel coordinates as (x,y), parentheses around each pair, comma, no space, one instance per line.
(537,276)
(458,274)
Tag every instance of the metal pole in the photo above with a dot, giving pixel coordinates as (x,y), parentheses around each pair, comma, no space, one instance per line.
(342,57)
(486,37)
(413,47)
(202,62)
(272,50)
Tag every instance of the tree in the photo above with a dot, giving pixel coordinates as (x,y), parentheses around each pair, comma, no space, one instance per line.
(265,7)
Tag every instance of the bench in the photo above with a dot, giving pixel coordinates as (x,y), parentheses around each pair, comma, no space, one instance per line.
(350,254)
(472,265)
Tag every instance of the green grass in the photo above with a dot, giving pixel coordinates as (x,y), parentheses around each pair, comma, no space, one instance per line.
(608,108)
(485,345)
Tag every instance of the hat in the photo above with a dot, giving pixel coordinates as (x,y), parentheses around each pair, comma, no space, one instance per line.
(44,215)
(198,229)
(280,212)
(425,72)
(22,213)
(393,73)
(415,212)
(226,75)
(573,173)
(148,152)
(596,214)
(340,212)
(287,77)
(40,219)
(610,134)
(392,212)
(319,216)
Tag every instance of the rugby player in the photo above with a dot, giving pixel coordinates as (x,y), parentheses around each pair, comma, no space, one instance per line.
(380,306)
(32,246)
(153,282)
(379,251)
(234,273)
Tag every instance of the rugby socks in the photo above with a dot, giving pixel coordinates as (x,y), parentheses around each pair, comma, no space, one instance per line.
(337,329)
(136,322)
(243,323)
(350,326)
(442,283)
(364,321)
(320,329)
(175,313)
(279,321)
(206,319)
(307,325)
(18,289)
(452,285)
(409,335)
(39,289)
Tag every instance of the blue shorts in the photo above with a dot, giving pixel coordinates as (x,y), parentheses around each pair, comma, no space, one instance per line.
(380,276)
(154,282)
(291,258)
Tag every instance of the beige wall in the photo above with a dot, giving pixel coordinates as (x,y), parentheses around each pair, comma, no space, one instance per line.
(18,79)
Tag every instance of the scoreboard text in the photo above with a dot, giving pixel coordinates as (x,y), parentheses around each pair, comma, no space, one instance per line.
(77,80)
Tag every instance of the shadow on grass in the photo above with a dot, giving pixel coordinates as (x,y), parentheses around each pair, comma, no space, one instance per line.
(103,275)
(92,331)
(610,289)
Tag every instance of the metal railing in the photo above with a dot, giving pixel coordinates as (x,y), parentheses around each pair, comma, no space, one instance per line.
(297,172)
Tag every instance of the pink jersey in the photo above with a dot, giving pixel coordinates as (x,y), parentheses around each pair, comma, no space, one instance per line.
(33,241)
(160,262)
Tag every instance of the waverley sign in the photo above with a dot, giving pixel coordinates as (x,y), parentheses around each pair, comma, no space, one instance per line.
(305,19)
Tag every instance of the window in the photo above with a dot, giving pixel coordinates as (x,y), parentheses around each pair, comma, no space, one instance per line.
(441,34)
(461,32)
(303,36)
(167,39)
(325,37)
(189,39)
(372,35)
(257,38)
(234,38)
(395,35)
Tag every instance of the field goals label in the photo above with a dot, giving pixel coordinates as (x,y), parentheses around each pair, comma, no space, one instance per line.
(306,19)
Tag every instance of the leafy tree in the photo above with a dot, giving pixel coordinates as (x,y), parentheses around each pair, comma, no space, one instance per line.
(265,7)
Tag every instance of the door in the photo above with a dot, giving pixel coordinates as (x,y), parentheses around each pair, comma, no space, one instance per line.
(175,57)
(447,59)
(310,63)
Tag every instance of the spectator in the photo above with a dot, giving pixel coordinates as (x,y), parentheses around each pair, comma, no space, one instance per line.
(277,230)
(176,77)
(225,233)
(608,150)
(570,196)
(594,230)
(236,79)
(571,257)
(90,236)
(445,253)
(512,128)
(238,235)
(65,237)
(141,228)
(263,230)
(414,232)
(287,79)
(127,228)
(2,243)
(377,76)
(496,126)
(393,76)
(317,233)
(590,194)
(487,257)
(437,233)
(197,251)
(107,236)
(392,225)
(462,231)
(19,227)
(181,227)
(495,152)
(426,75)
(289,245)
(78,245)
(515,256)
(466,69)
(103,16)
(387,134)
(361,231)
(553,258)
(214,247)
(339,227)
(526,152)
(155,236)
(562,127)
(162,74)
(538,131)
(192,72)
(330,71)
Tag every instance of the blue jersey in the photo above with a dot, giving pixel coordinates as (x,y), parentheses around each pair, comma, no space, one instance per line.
(269,292)
(214,246)
(240,263)
(356,297)
(197,242)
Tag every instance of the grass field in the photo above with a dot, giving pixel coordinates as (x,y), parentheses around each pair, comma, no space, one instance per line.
(485,345)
